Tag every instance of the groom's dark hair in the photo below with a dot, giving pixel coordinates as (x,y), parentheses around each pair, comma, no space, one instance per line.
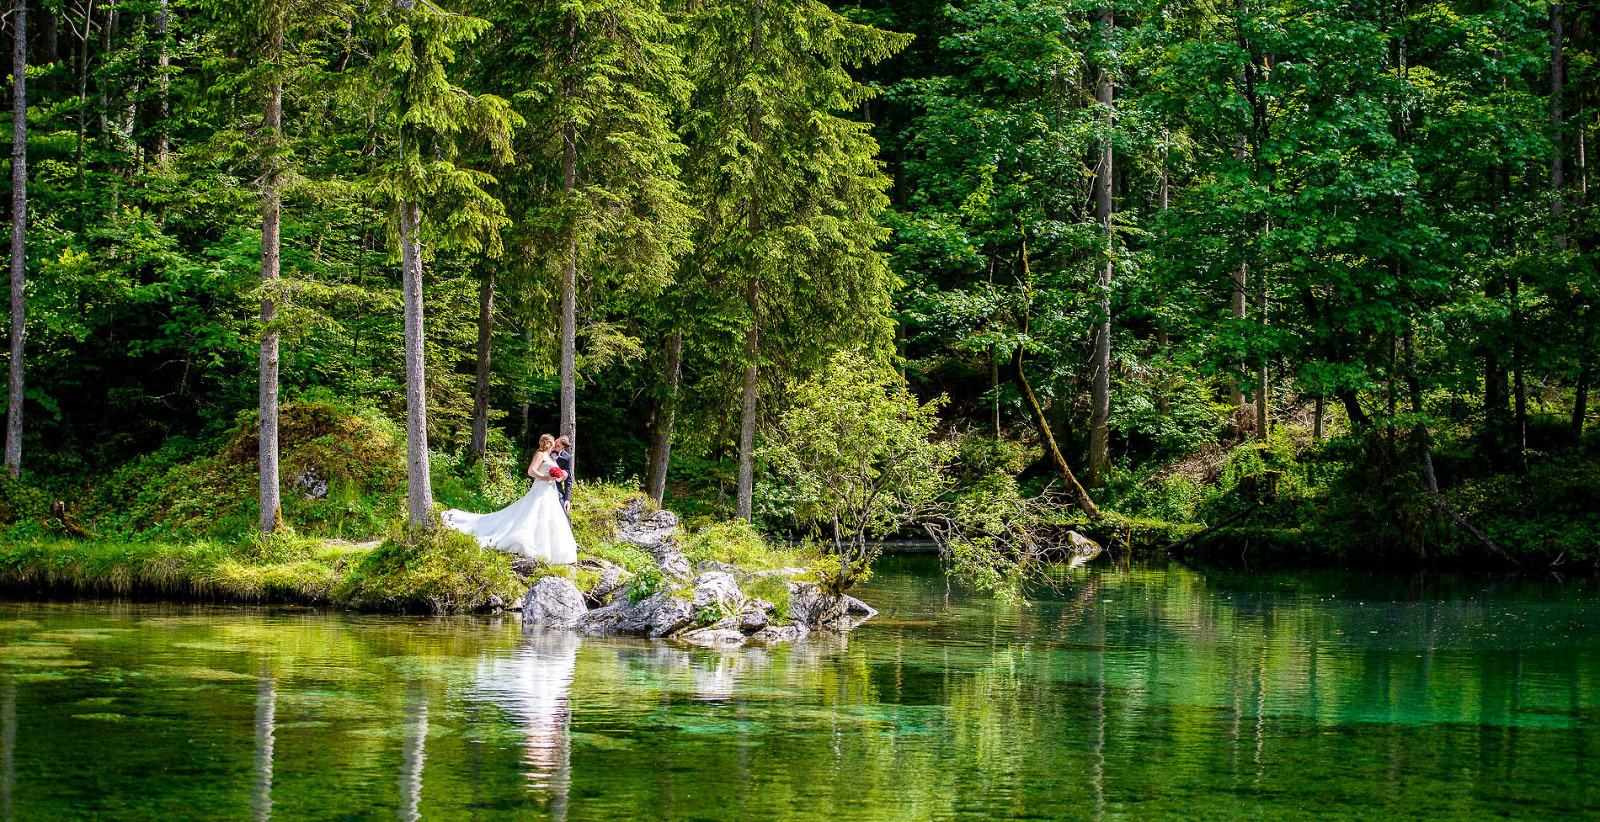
(564,441)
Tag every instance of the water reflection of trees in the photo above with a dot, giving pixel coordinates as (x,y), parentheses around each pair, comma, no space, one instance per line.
(1153,687)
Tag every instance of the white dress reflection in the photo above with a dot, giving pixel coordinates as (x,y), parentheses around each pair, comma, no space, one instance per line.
(533,685)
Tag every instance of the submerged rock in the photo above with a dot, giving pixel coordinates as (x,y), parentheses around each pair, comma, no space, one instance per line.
(713,637)
(553,601)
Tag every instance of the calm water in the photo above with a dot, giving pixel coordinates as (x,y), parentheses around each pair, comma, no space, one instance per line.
(1145,695)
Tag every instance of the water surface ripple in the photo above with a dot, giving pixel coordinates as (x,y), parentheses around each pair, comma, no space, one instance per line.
(1156,693)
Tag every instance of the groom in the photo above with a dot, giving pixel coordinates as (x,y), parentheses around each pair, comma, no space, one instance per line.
(563,458)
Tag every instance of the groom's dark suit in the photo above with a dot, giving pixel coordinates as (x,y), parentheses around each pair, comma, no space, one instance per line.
(563,459)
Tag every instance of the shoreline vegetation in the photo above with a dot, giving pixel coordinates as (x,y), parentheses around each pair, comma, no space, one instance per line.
(1292,283)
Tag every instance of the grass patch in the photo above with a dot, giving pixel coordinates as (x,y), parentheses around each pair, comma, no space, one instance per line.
(737,542)
(445,572)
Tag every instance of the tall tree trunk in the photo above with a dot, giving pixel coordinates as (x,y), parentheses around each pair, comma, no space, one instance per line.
(1042,424)
(83,87)
(666,419)
(419,486)
(1518,388)
(747,411)
(1163,341)
(1558,140)
(1263,390)
(1316,424)
(52,38)
(271,224)
(480,391)
(752,335)
(569,266)
(1580,400)
(19,232)
(164,83)
(1100,389)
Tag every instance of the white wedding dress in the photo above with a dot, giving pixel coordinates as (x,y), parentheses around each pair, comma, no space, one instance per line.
(533,526)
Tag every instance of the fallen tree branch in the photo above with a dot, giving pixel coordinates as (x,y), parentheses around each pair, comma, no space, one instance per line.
(1207,532)
(1443,508)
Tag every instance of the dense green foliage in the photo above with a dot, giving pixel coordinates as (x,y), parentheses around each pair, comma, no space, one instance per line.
(1352,253)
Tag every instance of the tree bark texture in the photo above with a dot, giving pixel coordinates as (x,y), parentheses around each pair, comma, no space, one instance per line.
(666,419)
(267,376)
(1100,389)
(19,234)
(163,63)
(569,266)
(752,337)
(419,487)
(480,391)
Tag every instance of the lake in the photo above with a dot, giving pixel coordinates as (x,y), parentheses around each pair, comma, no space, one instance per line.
(1156,693)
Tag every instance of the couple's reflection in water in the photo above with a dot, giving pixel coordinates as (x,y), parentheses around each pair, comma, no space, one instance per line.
(533,686)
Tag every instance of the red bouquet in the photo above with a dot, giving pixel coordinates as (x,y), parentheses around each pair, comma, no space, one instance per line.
(557,474)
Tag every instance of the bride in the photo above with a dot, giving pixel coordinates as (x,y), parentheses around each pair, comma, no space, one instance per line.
(534,526)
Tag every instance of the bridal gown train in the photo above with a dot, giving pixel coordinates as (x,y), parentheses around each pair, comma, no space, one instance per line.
(533,526)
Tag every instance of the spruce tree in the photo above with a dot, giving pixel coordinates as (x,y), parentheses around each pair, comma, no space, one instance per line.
(789,187)
(428,118)
(598,82)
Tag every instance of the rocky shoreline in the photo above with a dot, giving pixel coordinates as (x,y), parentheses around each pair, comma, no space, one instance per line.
(702,605)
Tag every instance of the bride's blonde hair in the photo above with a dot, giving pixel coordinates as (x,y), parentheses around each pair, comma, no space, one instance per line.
(546,442)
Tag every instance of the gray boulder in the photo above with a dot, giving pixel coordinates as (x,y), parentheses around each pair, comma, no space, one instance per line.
(717,588)
(1080,549)
(757,614)
(773,634)
(712,637)
(658,615)
(808,603)
(553,601)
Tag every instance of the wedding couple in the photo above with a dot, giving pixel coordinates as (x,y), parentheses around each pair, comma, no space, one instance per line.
(539,525)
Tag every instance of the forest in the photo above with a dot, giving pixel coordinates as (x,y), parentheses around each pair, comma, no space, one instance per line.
(1311,277)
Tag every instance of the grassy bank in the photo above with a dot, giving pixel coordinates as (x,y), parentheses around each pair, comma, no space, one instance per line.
(444,572)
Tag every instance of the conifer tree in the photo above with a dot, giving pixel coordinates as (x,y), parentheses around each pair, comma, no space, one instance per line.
(428,118)
(789,187)
(598,82)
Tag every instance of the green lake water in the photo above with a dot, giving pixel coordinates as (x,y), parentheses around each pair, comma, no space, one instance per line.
(1158,693)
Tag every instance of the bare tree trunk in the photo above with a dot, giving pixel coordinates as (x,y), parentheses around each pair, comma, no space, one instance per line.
(1316,424)
(163,63)
(1042,423)
(419,485)
(1580,400)
(1100,388)
(1236,297)
(83,86)
(747,413)
(1557,85)
(569,267)
(666,419)
(752,336)
(1163,341)
(271,225)
(480,392)
(1519,390)
(19,233)
(1263,385)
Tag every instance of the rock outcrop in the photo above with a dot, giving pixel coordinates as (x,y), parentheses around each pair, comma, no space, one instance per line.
(702,605)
